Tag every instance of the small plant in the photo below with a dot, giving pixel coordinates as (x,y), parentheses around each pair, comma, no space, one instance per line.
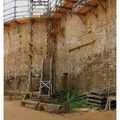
(76,101)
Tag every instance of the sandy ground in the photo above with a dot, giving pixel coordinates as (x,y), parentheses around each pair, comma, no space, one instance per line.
(13,111)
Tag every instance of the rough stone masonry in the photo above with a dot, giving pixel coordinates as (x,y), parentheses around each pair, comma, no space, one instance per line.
(89,64)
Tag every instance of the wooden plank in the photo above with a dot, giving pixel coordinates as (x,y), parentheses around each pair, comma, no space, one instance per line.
(94,96)
(94,104)
(65,4)
(93,100)
(92,2)
(78,47)
(80,8)
(83,9)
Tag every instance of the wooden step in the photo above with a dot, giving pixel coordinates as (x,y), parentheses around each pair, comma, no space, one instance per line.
(30,102)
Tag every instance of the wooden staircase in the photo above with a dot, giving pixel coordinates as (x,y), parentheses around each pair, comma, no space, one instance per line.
(46,78)
(45,83)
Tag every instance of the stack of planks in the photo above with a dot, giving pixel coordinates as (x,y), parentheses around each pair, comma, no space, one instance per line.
(98,98)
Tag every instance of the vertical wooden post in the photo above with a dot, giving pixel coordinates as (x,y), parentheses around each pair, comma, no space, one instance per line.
(15,10)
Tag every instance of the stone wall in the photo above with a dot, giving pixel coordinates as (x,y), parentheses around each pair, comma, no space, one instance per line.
(16,49)
(92,65)
(87,52)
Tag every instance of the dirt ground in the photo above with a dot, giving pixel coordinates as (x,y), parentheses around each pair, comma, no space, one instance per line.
(13,111)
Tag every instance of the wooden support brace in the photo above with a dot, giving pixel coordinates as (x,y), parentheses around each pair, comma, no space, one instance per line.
(104,7)
(78,47)
(92,8)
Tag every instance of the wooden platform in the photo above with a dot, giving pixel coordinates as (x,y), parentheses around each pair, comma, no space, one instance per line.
(74,6)
(67,6)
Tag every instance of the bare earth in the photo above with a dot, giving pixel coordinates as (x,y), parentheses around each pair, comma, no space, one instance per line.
(13,111)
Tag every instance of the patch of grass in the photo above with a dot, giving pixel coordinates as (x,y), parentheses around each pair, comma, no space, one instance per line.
(76,101)
(78,104)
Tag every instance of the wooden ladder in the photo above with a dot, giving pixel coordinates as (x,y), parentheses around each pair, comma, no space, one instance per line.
(46,78)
